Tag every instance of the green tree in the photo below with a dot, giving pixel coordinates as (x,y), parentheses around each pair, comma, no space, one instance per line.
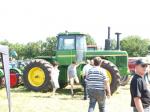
(19,48)
(90,40)
(32,50)
(149,47)
(49,46)
(135,46)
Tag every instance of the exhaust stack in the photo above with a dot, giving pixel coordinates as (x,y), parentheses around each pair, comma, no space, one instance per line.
(118,41)
(107,41)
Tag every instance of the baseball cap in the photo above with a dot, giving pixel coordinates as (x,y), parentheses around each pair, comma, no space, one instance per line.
(141,62)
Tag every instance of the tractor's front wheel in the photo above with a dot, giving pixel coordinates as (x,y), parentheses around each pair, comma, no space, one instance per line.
(112,74)
(37,75)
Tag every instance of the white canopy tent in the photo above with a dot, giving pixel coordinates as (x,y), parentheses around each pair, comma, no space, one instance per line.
(5,65)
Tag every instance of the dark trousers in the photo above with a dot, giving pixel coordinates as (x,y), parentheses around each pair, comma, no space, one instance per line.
(85,89)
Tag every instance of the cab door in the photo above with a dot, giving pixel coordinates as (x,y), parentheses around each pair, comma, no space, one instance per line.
(66,53)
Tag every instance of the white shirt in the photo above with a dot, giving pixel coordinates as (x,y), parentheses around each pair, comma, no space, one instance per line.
(86,69)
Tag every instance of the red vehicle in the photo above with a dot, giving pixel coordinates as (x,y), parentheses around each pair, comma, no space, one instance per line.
(131,62)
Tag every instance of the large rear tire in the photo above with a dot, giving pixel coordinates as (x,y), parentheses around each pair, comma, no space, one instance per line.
(112,73)
(37,75)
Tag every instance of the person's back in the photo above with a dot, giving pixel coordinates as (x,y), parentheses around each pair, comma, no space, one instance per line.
(71,71)
(96,83)
(96,78)
(72,75)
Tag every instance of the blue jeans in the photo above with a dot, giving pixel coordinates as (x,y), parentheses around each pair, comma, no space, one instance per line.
(96,96)
(147,109)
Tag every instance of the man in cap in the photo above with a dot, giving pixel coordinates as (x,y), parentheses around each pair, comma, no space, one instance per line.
(140,96)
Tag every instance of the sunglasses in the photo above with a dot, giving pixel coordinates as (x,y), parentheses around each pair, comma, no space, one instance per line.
(143,66)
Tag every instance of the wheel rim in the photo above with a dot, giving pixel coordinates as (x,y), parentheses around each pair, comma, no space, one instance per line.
(109,76)
(36,76)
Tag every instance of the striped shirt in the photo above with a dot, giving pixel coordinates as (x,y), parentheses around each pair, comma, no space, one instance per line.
(96,77)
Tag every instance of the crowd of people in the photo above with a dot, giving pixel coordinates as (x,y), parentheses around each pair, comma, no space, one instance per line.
(97,88)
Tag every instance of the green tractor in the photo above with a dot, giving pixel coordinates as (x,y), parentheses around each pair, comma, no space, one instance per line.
(71,46)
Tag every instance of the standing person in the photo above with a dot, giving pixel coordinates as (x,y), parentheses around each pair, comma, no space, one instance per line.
(85,70)
(140,96)
(54,77)
(72,75)
(97,82)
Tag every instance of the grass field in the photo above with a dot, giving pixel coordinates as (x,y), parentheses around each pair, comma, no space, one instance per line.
(28,101)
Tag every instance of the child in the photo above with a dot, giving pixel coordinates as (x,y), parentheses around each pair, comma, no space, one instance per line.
(54,77)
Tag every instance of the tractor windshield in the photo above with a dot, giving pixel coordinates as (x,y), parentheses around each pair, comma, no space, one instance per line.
(66,42)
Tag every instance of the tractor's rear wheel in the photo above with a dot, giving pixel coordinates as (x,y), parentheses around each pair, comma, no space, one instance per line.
(112,74)
(37,75)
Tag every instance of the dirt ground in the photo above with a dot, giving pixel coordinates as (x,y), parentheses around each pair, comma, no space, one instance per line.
(28,101)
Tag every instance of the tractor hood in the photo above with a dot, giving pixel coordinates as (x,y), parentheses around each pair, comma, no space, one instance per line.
(106,53)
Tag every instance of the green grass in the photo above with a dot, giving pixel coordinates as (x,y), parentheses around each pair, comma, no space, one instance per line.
(29,101)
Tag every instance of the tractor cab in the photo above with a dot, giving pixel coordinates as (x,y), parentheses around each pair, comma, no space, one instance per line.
(70,47)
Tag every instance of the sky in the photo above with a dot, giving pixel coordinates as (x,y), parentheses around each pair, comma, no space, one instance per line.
(32,20)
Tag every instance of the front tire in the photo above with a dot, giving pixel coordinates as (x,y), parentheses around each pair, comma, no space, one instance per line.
(37,75)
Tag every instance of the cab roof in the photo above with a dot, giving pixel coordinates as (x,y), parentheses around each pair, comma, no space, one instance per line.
(71,33)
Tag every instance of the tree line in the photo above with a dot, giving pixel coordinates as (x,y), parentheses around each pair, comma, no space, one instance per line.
(134,45)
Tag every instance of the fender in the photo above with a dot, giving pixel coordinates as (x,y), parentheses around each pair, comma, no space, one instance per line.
(17,70)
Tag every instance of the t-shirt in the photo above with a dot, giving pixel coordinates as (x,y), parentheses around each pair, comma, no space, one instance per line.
(95,78)
(138,88)
(71,71)
(86,69)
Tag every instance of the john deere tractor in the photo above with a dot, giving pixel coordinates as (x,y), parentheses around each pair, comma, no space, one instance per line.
(71,46)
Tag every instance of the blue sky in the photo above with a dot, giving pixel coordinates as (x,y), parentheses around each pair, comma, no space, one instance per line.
(31,20)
